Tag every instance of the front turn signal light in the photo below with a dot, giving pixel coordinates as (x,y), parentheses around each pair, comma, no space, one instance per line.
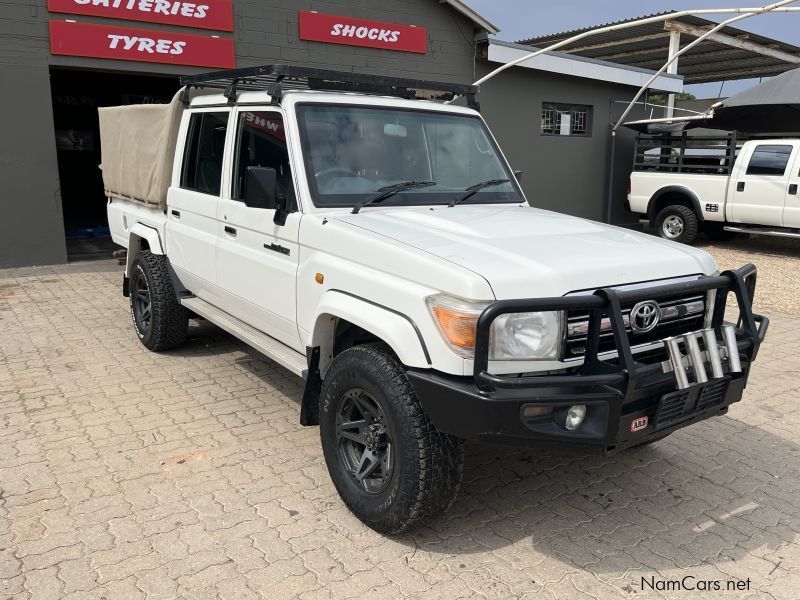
(457,321)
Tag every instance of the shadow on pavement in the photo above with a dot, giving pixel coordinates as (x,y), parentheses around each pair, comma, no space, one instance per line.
(695,497)
(755,244)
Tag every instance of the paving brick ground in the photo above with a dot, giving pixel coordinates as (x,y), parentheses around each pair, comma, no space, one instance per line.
(126,474)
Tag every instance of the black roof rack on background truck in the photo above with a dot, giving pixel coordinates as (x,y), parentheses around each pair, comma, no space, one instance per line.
(274,79)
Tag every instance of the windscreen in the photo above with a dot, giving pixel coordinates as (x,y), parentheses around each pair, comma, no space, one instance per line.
(351,152)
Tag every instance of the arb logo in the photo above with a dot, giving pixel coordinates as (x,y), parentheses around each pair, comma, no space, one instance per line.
(639,424)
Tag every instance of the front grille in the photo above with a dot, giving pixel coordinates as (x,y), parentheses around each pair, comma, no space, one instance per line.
(679,315)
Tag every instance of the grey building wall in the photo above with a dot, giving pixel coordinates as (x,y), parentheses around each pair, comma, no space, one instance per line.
(31,227)
(561,173)
(266,31)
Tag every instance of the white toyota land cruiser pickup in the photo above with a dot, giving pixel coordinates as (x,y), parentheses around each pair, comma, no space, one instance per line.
(684,184)
(379,246)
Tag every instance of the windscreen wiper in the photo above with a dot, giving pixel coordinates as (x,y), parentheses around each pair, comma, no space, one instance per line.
(474,189)
(390,190)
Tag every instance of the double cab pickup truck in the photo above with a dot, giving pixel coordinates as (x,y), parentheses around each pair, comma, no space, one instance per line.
(721,186)
(368,235)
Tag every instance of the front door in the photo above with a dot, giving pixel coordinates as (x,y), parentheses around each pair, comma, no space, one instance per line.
(758,190)
(193,202)
(257,259)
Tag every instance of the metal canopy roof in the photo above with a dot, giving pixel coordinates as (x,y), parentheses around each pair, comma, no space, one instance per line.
(729,54)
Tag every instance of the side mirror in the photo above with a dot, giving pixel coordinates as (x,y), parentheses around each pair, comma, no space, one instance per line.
(518,175)
(261,187)
(261,191)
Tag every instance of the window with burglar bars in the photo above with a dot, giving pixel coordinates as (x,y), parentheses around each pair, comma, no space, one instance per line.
(566,119)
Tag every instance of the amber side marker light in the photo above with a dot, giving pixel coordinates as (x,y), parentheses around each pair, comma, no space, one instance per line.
(319,278)
(536,411)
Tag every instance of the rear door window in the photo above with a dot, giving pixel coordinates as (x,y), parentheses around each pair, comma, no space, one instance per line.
(769,159)
(202,156)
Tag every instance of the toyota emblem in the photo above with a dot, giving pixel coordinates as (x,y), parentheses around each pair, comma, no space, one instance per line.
(645,316)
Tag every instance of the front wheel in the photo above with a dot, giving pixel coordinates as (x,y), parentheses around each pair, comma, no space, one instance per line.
(677,223)
(392,468)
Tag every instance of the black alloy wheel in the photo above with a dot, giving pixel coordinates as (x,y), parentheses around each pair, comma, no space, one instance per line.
(363,440)
(142,302)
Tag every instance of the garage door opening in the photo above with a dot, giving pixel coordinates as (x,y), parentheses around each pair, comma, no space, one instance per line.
(76,97)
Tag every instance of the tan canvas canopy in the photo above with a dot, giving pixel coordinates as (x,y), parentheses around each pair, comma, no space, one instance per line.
(137,148)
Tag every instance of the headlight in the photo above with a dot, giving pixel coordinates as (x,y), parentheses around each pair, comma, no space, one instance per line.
(514,336)
(525,336)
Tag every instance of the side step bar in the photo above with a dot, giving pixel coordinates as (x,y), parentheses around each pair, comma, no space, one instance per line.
(763,231)
(269,347)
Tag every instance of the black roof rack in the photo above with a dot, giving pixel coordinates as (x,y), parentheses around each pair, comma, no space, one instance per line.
(274,79)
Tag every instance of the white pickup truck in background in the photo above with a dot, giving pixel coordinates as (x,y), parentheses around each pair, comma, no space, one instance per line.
(719,185)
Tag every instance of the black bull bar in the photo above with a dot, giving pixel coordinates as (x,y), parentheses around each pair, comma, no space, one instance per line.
(619,375)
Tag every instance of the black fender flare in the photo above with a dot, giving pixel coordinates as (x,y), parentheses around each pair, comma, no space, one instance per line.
(674,189)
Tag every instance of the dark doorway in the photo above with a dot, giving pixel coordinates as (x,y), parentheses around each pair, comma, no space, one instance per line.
(76,97)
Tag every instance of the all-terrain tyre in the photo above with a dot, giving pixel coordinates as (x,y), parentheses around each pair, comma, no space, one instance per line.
(677,223)
(392,468)
(159,320)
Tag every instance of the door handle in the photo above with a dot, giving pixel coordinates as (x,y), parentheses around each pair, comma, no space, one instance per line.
(740,186)
(792,189)
(230,230)
(176,214)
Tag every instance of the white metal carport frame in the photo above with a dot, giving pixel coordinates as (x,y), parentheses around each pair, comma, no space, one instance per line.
(674,53)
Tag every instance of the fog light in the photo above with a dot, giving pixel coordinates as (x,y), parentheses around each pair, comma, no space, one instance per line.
(575,416)
(536,411)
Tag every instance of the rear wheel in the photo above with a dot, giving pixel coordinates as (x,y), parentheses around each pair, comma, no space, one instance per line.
(677,223)
(392,468)
(159,320)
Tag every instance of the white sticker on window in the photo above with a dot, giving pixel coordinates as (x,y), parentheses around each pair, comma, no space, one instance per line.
(565,121)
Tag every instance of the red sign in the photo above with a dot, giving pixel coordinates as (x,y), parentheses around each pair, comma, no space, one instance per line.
(319,27)
(205,14)
(144,45)
(269,123)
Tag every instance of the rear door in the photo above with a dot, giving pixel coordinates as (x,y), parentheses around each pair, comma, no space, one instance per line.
(193,200)
(791,209)
(256,258)
(758,190)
